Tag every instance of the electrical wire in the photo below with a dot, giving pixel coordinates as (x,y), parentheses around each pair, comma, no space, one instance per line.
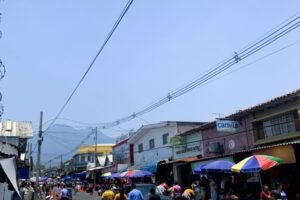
(240,55)
(124,11)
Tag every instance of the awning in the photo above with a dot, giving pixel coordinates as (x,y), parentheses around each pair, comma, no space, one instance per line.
(95,168)
(183,160)
(9,167)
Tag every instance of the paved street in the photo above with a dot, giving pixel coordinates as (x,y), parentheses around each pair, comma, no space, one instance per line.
(85,196)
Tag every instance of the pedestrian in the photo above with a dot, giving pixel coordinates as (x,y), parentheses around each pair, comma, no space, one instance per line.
(120,194)
(108,194)
(203,187)
(265,194)
(213,189)
(153,195)
(135,194)
(197,190)
(188,194)
(278,193)
(175,191)
(64,193)
(162,188)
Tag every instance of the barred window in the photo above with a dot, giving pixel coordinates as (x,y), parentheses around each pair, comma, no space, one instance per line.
(279,125)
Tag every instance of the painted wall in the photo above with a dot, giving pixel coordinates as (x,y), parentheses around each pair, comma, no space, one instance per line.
(191,146)
(160,151)
(230,142)
(121,153)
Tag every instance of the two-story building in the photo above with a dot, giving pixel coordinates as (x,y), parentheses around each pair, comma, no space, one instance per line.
(271,128)
(86,154)
(151,144)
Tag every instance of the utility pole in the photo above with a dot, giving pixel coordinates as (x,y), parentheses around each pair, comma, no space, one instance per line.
(38,162)
(30,160)
(61,164)
(95,158)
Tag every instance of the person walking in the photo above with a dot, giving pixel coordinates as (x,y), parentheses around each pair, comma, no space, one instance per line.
(153,195)
(64,193)
(120,194)
(265,194)
(278,193)
(135,194)
(213,189)
(175,191)
(188,194)
(107,194)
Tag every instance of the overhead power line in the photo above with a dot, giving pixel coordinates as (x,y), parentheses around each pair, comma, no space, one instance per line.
(124,11)
(238,56)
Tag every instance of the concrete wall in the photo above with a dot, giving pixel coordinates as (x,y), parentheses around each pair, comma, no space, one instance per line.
(192,145)
(160,151)
(230,142)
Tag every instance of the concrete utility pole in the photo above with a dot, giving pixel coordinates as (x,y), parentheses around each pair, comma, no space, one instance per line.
(38,162)
(95,157)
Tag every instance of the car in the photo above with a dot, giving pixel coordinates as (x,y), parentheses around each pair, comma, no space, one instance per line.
(145,190)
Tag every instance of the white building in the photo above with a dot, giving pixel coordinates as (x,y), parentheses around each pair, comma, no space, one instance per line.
(151,143)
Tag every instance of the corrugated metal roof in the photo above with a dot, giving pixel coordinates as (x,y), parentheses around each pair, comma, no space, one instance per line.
(247,111)
(10,128)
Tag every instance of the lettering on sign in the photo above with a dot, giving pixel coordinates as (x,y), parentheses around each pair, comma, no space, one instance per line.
(196,148)
(227,125)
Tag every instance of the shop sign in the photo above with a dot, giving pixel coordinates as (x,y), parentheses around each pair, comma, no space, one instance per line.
(189,149)
(229,126)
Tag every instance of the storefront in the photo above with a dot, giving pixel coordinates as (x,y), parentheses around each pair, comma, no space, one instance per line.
(287,173)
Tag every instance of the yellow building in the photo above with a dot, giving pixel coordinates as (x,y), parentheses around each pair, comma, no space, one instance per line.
(85,155)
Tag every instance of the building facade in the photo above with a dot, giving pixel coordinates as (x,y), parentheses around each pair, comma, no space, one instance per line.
(151,143)
(86,154)
(14,136)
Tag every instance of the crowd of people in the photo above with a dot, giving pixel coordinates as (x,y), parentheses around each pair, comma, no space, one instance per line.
(276,194)
(203,188)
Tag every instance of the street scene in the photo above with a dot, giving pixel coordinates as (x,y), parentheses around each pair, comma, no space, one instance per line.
(149,100)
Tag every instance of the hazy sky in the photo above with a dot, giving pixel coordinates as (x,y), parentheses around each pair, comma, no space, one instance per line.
(160,44)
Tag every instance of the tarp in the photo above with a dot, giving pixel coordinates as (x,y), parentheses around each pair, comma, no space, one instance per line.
(9,167)
(101,160)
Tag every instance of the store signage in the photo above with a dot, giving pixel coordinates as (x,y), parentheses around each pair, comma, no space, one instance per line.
(196,148)
(230,126)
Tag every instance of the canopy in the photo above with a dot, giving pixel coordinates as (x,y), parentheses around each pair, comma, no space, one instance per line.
(66,179)
(199,169)
(107,174)
(136,174)
(9,167)
(110,175)
(219,166)
(256,163)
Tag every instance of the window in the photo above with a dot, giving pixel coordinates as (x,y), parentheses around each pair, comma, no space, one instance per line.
(165,138)
(89,158)
(82,158)
(140,148)
(279,125)
(151,144)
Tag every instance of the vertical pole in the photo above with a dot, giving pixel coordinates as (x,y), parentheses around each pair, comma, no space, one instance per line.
(95,157)
(38,162)
(61,164)
(30,160)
